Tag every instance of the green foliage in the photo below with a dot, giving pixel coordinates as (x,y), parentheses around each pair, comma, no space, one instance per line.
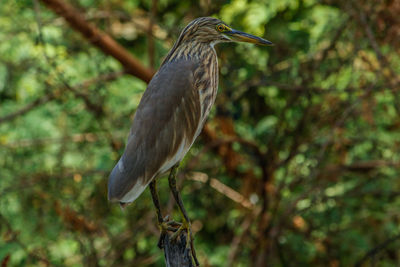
(314,122)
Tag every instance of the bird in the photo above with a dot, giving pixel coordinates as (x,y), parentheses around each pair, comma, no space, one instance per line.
(172,113)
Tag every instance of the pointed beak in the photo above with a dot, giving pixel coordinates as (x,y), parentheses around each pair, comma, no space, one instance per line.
(248,38)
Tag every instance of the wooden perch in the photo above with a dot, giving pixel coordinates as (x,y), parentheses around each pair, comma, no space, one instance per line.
(176,253)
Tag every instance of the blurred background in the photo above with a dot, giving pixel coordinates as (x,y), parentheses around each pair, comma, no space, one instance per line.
(298,164)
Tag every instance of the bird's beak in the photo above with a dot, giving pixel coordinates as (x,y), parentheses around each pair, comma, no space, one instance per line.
(248,38)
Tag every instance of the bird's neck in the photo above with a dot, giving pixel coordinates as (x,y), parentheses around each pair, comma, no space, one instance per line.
(197,51)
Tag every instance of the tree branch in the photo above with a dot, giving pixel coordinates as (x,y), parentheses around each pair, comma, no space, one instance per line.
(40,101)
(50,96)
(100,39)
(371,253)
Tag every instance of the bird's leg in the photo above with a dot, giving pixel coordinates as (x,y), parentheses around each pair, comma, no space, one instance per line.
(186,222)
(163,224)
(156,201)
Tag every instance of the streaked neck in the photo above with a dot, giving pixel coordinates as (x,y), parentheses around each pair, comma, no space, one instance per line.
(191,51)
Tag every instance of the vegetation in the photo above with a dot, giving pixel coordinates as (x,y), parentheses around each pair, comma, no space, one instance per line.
(298,164)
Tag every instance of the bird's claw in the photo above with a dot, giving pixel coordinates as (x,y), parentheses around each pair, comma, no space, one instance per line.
(183,226)
(167,225)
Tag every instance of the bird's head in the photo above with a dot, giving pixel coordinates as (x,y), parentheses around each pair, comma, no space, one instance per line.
(208,31)
(213,31)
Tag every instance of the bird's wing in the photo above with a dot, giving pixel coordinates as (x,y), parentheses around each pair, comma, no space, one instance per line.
(163,130)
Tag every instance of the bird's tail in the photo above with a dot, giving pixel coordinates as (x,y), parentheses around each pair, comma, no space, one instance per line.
(123,186)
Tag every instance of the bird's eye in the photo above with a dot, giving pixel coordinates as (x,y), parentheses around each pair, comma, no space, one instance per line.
(220,28)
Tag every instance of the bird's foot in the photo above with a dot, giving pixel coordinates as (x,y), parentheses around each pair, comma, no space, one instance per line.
(186,226)
(167,225)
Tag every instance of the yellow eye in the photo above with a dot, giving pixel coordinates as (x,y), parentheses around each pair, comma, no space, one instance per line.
(220,28)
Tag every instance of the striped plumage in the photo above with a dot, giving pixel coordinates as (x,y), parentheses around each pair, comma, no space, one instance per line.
(173,108)
(170,115)
(198,46)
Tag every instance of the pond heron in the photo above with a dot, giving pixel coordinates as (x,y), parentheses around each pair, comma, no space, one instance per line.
(171,114)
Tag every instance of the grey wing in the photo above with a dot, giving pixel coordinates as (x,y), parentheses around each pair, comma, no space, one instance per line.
(165,123)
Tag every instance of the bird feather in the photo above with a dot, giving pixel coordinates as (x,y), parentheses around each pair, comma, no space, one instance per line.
(165,125)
